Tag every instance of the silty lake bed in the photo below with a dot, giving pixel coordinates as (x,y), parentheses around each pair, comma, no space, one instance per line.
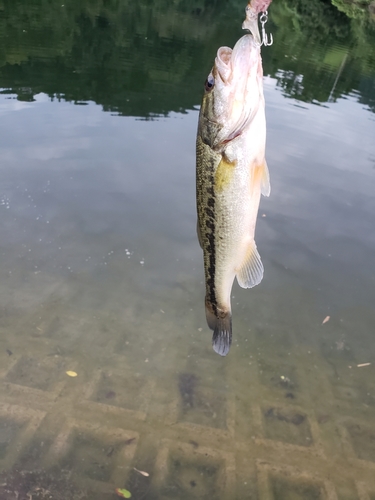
(102,274)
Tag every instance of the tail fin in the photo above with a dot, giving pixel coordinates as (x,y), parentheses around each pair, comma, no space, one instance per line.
(222,327)
(222,336)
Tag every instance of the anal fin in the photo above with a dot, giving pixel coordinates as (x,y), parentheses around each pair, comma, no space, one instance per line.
(251,272)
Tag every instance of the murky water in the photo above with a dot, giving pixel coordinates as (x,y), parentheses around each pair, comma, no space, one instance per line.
(101,272)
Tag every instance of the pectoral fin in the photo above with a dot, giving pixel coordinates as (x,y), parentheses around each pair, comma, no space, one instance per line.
(265,185)
(251,271)
(260,177)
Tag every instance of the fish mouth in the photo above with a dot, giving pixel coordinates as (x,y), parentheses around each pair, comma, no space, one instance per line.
(234,71)
(236,62)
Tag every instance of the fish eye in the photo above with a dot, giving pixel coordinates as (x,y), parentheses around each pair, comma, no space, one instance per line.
(209,83)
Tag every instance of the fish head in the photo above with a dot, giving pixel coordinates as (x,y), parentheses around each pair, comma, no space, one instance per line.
(233,91)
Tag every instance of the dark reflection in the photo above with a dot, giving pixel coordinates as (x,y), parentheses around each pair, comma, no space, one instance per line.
(149,58)
(322,54)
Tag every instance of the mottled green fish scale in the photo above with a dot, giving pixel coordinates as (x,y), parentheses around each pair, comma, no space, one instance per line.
(207,163)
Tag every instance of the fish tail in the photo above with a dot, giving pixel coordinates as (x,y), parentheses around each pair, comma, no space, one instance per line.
(222,336)
(222,327)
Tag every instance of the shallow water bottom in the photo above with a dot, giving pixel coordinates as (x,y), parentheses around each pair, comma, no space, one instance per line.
(276,419)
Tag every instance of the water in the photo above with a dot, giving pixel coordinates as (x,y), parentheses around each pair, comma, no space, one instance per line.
(101,272)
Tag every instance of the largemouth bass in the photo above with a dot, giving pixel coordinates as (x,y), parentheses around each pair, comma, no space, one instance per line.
(231,174)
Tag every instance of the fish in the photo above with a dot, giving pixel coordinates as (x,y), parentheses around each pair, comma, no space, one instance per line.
(231,174)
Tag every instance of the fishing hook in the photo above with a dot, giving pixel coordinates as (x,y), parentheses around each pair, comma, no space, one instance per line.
(263,19)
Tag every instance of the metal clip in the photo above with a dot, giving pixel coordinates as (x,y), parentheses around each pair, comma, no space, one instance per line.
(263,19)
